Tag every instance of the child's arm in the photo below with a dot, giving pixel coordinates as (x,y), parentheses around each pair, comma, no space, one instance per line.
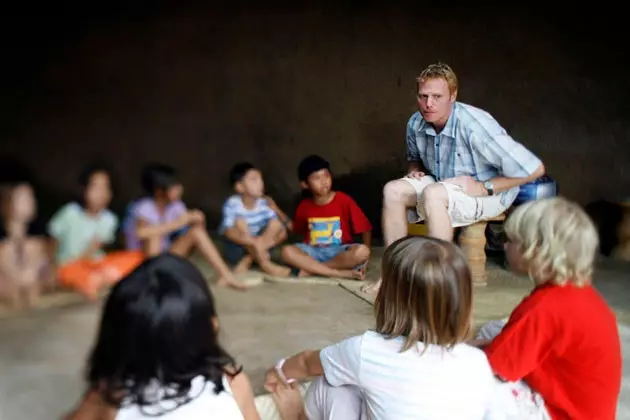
(286,220)
(244,396)
(235,230)
(146,231)
(367,238)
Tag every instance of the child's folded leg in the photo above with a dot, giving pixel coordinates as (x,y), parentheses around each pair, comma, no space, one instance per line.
(350,257)
(311,260)
(274,234)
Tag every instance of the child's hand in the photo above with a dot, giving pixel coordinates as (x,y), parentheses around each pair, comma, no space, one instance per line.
(196,217)
(272,380)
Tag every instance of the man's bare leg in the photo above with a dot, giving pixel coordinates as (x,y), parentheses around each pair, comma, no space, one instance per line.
(435,205)
(295,257)
(198,238)
(398,196)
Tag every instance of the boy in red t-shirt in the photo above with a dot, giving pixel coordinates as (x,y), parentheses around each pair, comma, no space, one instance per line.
(561,342)
(328,220)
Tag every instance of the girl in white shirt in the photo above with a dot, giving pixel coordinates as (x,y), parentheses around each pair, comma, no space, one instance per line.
(414,364)
(157,352)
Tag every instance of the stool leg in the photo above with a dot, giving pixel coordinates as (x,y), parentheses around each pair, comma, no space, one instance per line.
(473,243)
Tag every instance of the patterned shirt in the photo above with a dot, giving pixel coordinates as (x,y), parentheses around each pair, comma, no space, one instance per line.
(472,143)
(256,218)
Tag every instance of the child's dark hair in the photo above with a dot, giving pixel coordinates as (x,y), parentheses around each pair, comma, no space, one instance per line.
(310,165)
(86,175)
(156,329)
(426,294)
(158,177)
(238,171)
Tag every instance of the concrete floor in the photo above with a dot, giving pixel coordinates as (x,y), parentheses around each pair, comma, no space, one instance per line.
(42,353)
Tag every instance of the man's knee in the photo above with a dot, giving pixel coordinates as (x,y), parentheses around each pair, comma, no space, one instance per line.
(434,195)
(399,192)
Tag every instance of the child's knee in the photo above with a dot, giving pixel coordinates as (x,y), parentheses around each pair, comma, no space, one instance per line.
(288,252)
(361,252)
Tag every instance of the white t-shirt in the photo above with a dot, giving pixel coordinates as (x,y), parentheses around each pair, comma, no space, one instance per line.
(204,405)
(440,384)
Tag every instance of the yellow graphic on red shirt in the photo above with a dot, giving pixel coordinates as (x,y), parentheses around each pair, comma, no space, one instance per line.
(325,230)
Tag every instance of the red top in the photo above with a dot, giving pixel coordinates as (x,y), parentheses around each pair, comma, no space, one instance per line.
(564,342)
(330,224)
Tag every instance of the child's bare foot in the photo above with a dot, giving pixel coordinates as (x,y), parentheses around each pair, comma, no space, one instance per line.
(274,269)
(231,283)
(244,264)
(371,289)
(351,274)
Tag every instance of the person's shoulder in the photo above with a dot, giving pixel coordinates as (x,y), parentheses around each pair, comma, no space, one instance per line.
(233,200)
(415,120)
(471,118)
(344,197)
(109,216)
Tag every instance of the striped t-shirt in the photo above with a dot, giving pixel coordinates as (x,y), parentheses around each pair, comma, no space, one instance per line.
(455,384)
(257,217)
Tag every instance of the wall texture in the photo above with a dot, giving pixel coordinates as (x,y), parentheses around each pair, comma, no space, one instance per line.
(202,88)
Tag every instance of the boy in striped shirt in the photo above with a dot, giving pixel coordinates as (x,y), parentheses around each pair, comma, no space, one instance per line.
(251,222)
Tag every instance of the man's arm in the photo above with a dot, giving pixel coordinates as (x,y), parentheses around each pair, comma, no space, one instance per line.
(502,183)
(514,161)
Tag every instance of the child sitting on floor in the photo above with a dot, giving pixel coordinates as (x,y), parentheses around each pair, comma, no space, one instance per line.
(82,228)
(161,222)
(251,222)
(157,353)
(25,263)
(328,220)
(560,349)
(414,364)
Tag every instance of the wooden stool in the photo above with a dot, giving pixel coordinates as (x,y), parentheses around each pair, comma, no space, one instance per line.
(472,240)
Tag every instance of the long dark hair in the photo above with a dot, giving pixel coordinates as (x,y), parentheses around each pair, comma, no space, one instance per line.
(156,329)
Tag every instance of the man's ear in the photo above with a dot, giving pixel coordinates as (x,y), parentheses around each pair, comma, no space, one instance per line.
(304,185)
(453,97)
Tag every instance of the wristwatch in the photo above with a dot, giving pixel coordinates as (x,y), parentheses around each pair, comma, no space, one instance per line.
(489,186)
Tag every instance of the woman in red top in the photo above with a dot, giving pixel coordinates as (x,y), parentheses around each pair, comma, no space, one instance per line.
(561,342)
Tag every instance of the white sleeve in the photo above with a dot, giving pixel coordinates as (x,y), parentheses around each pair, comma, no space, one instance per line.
(342,362)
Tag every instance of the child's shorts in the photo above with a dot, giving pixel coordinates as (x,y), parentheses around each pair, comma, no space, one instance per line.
(324,254)
(233,253)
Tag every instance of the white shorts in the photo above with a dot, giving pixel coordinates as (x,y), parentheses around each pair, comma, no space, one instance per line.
(463,209)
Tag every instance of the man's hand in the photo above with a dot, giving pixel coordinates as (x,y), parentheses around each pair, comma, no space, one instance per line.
(470,185)
(415,174)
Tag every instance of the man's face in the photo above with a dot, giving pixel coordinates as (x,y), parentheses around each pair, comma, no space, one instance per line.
(435,101)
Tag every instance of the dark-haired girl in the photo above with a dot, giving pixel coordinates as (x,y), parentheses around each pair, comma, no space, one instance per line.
(82,228)
(157,352)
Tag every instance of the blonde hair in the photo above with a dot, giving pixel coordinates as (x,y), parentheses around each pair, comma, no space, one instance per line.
(557,240)
(439,71)
(426,294)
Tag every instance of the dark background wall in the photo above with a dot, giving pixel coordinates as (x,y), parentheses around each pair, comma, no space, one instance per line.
(201,87)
